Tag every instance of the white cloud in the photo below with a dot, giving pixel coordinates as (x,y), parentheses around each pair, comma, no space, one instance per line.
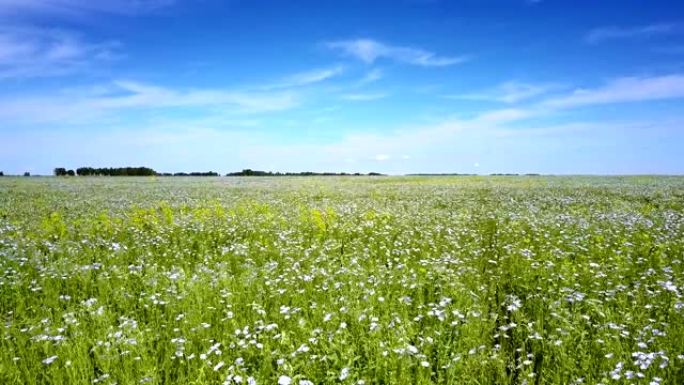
(32,52)
(361,97)
(508,92)
(602,34)
(626,89)
(368,51)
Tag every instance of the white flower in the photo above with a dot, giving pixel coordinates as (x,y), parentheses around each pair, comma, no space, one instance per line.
(305,382)
(344,374)
(284,380)
(49,360)
(425,364)
(514,303)
(251,381)
(669,286)
(219,365)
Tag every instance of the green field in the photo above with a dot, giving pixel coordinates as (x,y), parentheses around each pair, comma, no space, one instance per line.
(387,280)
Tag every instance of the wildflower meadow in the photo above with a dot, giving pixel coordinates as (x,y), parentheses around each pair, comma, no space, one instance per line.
(342,280)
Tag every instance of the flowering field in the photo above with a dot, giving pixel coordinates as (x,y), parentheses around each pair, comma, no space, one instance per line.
(396,280)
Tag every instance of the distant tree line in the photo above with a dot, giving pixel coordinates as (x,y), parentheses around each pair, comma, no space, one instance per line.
(105,171)
(146,171)
(2,173)
(124,171)
(115,171)
(249,172)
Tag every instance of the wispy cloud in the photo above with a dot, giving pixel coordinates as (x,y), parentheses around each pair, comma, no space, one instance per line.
(508,92)
(361,97)
(626,89)
(308,77)
(33,52)
(127,95)
(78,7)
(368,51)
(602,34)
(371,76)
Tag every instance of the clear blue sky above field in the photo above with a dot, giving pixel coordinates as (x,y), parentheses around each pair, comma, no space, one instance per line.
(389,86)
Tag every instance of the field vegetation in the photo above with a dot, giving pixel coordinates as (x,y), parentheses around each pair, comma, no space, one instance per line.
(340,280)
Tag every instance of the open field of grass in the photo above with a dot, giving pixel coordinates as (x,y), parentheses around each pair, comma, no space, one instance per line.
(396,280)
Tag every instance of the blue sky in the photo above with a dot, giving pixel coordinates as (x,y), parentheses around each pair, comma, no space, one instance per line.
(572,87)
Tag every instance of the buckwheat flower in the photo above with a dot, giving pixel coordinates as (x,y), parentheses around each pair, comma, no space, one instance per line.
(284,380)
(344,373)
(49,360)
